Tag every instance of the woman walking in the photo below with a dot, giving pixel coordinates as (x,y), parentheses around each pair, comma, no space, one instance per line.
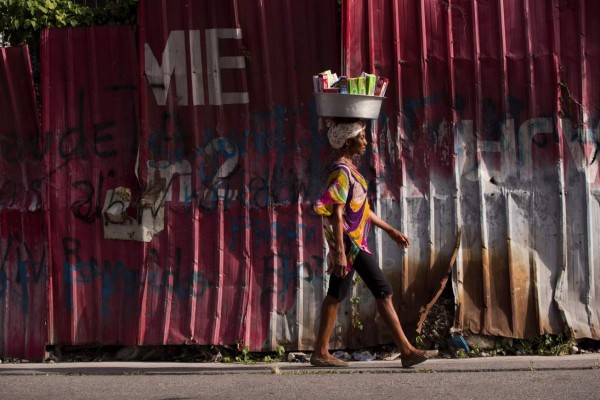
(348,218)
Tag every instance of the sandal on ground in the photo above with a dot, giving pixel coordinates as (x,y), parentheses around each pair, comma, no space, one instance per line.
(327,362)
(415,359)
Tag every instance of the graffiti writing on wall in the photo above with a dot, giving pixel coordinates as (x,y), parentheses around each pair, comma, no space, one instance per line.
(118,278)
(288,273)
(20,180)
(24,190)
(221,168)
(21,271)
(504,147)
(515,148)
(174,63)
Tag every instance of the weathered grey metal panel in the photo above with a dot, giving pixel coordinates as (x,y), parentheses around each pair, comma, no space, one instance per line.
(493,125)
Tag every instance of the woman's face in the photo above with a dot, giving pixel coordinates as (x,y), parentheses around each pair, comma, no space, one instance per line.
(358,144)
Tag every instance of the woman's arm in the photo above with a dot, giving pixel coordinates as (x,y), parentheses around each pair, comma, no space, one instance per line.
(340,265)
(400,238)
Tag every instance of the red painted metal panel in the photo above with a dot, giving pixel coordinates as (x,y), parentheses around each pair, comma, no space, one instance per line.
(90,116)
(236,116)
(23,262)
(21,144)
(493,103)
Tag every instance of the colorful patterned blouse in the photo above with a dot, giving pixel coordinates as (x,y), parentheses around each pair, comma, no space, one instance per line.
(345,185)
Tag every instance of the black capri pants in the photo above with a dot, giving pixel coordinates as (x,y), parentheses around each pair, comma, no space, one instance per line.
(368,270)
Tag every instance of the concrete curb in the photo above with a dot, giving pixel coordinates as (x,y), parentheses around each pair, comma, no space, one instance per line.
(490,364)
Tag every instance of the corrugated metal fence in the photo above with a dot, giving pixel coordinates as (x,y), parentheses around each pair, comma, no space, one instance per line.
(178,173)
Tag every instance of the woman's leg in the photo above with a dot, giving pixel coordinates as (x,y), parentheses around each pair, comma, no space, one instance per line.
(390,317)
(367,267)
(329,311)
(337,291)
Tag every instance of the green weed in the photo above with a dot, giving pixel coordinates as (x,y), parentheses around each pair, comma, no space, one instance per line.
(419,341)
(461,353)
(244,356)
(355,301)
(277,357)
(546,345)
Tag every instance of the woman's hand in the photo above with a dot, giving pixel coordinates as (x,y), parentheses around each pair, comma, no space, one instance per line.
(400,238)
(339,266)
(340,263)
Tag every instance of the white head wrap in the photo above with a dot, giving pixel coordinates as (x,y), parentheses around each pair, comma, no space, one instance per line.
(339,133)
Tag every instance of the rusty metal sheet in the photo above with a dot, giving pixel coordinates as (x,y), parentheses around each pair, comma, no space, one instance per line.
(23,260)
(491,127)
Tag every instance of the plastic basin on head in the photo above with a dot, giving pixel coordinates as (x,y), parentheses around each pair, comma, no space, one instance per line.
(348,105)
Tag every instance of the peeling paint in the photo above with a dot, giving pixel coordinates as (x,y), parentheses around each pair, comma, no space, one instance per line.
(150,216)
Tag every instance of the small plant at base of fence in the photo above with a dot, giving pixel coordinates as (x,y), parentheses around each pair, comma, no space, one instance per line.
(419,341)
(355,301)
(244,356)
(356,322)
(279,355)
(546,345)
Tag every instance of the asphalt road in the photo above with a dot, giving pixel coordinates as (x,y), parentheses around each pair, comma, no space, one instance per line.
(572,377)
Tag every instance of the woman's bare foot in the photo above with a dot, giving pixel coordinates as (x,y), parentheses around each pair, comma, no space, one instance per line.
(326,361)
(417,356)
